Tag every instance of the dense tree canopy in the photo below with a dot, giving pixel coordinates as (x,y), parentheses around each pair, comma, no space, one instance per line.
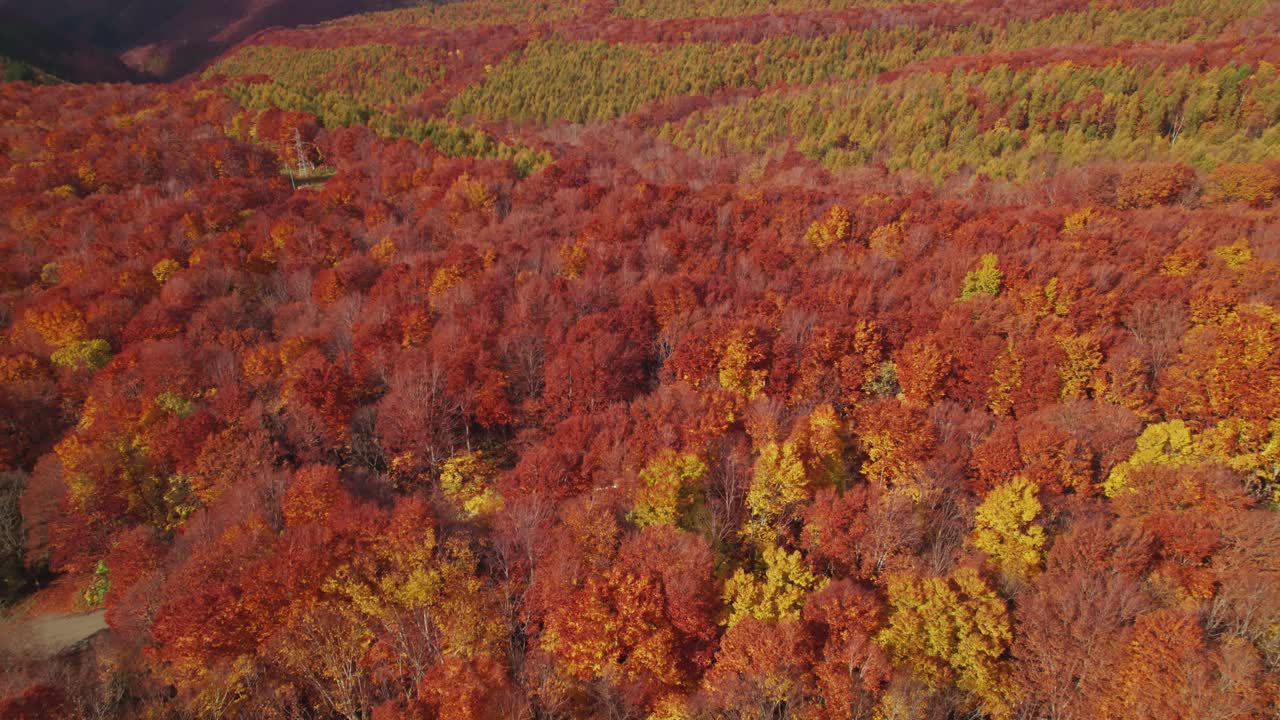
(655,360)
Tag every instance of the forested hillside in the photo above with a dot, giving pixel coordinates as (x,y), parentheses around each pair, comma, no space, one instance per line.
(658,360)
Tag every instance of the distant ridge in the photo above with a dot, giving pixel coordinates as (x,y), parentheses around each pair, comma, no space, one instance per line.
(58,53)
(101,41)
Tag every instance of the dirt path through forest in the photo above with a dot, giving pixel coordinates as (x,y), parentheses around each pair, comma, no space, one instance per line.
(52,634)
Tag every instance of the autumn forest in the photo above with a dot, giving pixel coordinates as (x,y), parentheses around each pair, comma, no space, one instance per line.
(652,360)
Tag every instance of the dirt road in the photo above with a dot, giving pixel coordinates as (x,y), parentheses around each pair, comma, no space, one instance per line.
(52,634)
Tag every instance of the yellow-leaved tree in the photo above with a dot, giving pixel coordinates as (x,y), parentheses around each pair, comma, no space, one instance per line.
(822,442)
(668,486)
(1006,376)
(1080,364)
(778,481)
(63,327)
(739,368)
(952,631)
(831,229)
(1005,527)
(983,281)
(786,473)
(467,481)
(411,586)
(165,269)
(1251,451)
(1167,443)
(778,594)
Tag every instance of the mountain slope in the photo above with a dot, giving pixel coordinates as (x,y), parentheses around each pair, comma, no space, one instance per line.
(167,39)
(58,53)
(654,360)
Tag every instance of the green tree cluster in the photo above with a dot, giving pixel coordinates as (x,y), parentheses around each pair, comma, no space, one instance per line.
(582,82)
(1008,123)
(369,85)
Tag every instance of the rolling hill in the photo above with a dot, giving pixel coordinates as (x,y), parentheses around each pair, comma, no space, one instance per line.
(648,359)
